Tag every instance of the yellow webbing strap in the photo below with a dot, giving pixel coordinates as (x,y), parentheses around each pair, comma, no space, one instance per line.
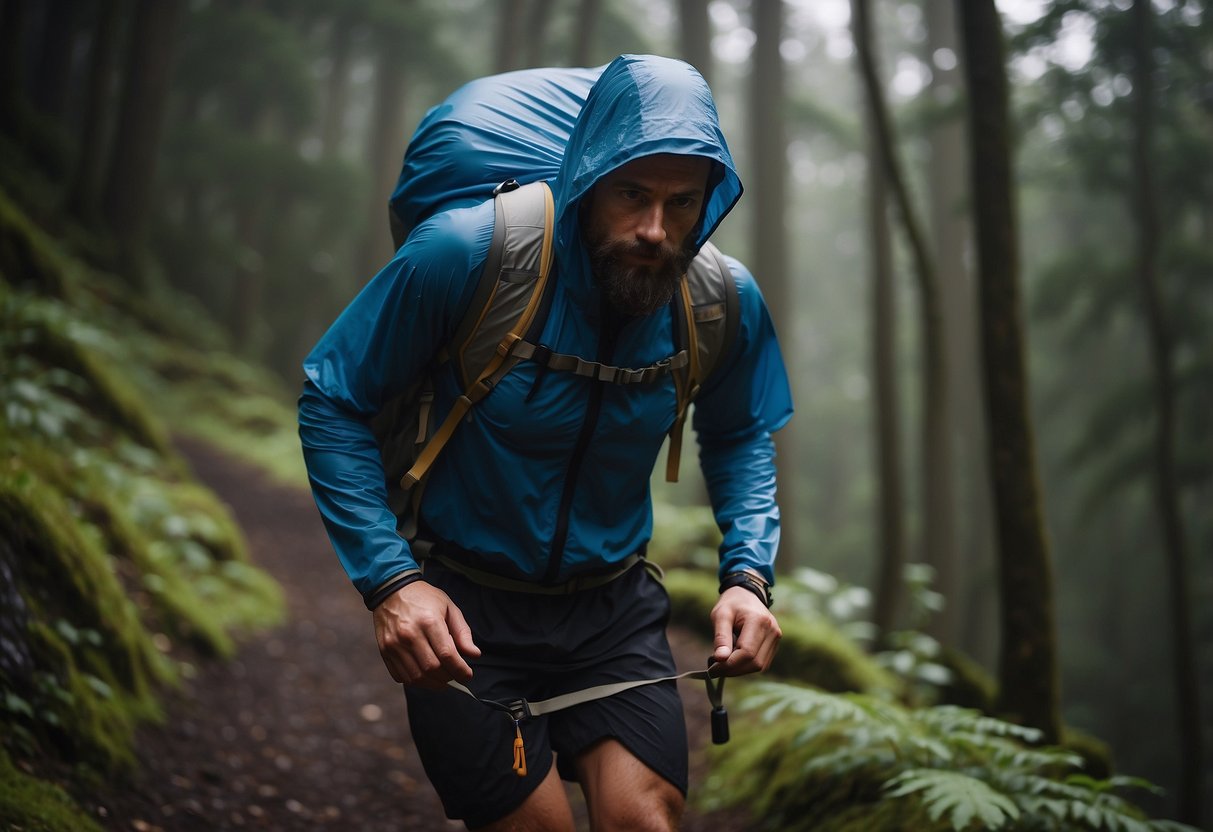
(686,386)
(480,388)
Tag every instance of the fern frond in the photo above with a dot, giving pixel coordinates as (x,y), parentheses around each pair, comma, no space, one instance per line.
(961,797)
(1171,826)
(950,718)
(779,698)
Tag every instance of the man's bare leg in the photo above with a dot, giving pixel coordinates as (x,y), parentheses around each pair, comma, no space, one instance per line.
(623,794)
(545,810)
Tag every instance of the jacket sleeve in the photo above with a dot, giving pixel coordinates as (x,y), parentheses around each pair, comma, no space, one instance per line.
(378,346)
(740,406)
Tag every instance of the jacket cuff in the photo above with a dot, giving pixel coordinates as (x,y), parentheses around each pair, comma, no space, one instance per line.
(398,581)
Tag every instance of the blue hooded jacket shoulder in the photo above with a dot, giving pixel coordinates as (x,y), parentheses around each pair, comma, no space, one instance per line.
(550,475)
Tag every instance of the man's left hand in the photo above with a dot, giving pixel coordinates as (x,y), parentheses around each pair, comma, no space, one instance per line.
(747,634)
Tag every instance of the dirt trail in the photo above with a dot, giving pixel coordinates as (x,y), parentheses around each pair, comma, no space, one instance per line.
(304,730)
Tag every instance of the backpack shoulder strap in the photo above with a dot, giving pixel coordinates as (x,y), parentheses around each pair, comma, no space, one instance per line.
(706,315)
(503,308)
(715,307)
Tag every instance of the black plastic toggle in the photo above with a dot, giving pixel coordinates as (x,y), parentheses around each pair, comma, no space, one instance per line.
(720,726)
(506,186)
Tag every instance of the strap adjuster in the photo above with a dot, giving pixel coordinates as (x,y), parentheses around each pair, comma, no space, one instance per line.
(520,710)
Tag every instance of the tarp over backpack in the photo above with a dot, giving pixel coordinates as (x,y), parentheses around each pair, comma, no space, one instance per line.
(481,142)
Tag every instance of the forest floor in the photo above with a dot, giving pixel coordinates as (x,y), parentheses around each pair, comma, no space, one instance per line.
(304,729)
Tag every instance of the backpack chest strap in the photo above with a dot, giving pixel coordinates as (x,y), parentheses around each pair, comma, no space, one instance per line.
(595,370)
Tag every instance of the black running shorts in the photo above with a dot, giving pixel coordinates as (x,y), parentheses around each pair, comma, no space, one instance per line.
(539,646)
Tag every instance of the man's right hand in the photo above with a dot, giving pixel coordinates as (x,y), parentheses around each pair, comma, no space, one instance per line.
(423,637)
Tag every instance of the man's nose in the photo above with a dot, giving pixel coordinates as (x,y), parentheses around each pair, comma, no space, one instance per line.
(651,227)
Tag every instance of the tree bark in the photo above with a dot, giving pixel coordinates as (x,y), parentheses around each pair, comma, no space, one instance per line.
(386,149)
(128,189)
(695,36)
(509,31)
(12,23)
(50,82)
(536,30)
(336,86)
(83,195)
(936,467)
(890,555)
(1162,363)
(1028,662)
(768,153)
(971,520)
(587,22)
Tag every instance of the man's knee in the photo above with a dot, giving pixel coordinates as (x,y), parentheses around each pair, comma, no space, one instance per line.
(625,794)
(656,809)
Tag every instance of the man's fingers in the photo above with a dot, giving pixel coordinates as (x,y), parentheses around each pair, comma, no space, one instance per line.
(724,638)
(423,636)
(461,632)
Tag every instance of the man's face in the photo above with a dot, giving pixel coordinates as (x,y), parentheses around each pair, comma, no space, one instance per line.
(637,226)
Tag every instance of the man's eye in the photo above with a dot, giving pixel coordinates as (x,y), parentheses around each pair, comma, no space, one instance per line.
(630,195)
(682,202)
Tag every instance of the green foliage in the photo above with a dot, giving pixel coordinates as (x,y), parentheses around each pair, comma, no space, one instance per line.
(812,651)
(810,760)
(34,805)
(1092,353)
(684,536)
(112,556)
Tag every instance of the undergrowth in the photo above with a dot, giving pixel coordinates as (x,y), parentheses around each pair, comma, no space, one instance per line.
(804,759)
(117,568)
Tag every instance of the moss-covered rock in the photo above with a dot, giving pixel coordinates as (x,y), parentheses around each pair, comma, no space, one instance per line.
(113,557)
(34,805)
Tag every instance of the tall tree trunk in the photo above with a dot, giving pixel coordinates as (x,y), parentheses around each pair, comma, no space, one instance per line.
(248,293)
(768,153)
(1162,363)
(587,21)
(50,82)
(82,198)
(1028,654)
(509,33)
(936,463)
(695,36)
(12,24)
(336,86)
(128,189)
(536,30)
(891,555)
(971,521)
(386,149)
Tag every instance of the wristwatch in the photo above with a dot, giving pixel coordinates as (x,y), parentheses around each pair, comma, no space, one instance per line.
(752,581)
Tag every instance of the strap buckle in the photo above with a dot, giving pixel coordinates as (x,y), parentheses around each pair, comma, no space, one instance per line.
(520,710)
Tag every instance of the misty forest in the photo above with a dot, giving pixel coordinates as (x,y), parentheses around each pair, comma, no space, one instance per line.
(985,233)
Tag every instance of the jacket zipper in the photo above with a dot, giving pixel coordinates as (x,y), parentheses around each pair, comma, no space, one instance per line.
(606,351)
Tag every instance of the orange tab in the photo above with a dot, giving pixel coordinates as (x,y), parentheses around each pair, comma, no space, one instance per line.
(519,757)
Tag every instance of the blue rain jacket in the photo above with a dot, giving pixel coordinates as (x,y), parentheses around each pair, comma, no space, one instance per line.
(550,475)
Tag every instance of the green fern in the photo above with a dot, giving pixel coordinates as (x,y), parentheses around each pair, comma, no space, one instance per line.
(963,799)
(810,760)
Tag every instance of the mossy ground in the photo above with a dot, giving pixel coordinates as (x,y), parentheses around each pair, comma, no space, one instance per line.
(30,804)
(119,566)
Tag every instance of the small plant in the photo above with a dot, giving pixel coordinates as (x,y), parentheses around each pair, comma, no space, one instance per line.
(910,654)
(827,762)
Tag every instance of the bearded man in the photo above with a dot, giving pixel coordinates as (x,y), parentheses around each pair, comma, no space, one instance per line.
(539,509)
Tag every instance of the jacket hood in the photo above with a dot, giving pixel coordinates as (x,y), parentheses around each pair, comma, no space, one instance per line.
(641,105)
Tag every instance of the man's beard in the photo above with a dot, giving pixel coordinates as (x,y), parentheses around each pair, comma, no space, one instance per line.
(640,289)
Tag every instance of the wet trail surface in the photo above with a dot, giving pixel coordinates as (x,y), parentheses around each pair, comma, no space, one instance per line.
(304,729)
